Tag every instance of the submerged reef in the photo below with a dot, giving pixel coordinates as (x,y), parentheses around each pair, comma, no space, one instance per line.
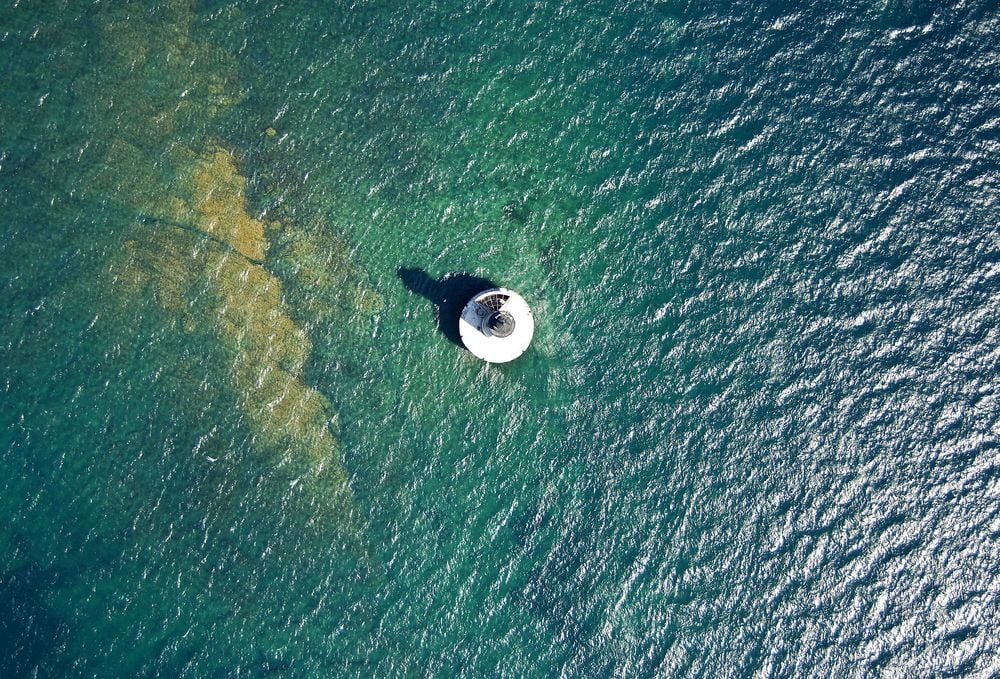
(219,281)
(191,242)
(185,449)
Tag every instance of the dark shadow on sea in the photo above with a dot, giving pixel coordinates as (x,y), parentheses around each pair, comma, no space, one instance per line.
(449,294)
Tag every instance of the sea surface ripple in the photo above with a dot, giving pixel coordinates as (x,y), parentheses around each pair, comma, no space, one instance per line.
(757,432)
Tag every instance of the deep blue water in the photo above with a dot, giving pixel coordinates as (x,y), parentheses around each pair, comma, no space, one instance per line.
(756,433)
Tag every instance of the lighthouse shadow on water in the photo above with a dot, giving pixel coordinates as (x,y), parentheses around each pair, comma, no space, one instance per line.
(449,295)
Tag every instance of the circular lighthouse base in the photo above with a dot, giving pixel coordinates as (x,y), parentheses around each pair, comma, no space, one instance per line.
(496,325)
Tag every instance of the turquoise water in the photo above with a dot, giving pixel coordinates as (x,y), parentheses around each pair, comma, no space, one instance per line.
(756,433)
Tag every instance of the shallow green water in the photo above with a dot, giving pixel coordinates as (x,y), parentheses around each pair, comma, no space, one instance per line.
(755,432)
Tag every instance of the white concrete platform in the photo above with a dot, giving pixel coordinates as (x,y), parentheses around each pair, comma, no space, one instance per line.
(496,325)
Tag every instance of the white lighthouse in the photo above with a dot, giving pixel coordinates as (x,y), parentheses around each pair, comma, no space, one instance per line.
(496,325)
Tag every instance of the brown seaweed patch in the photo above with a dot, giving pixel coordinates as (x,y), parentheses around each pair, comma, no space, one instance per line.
(215,291)
(217,204)
(326,283)
(201,191)
(193,248)
(155,51)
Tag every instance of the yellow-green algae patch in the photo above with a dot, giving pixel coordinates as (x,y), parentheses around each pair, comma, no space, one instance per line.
(216,203)
(193,244)
(327,284)
(153,49)
(202,191)
(218,470)
(217,284)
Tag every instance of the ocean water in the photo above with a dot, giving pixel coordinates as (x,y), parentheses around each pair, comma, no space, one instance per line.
(756,433)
